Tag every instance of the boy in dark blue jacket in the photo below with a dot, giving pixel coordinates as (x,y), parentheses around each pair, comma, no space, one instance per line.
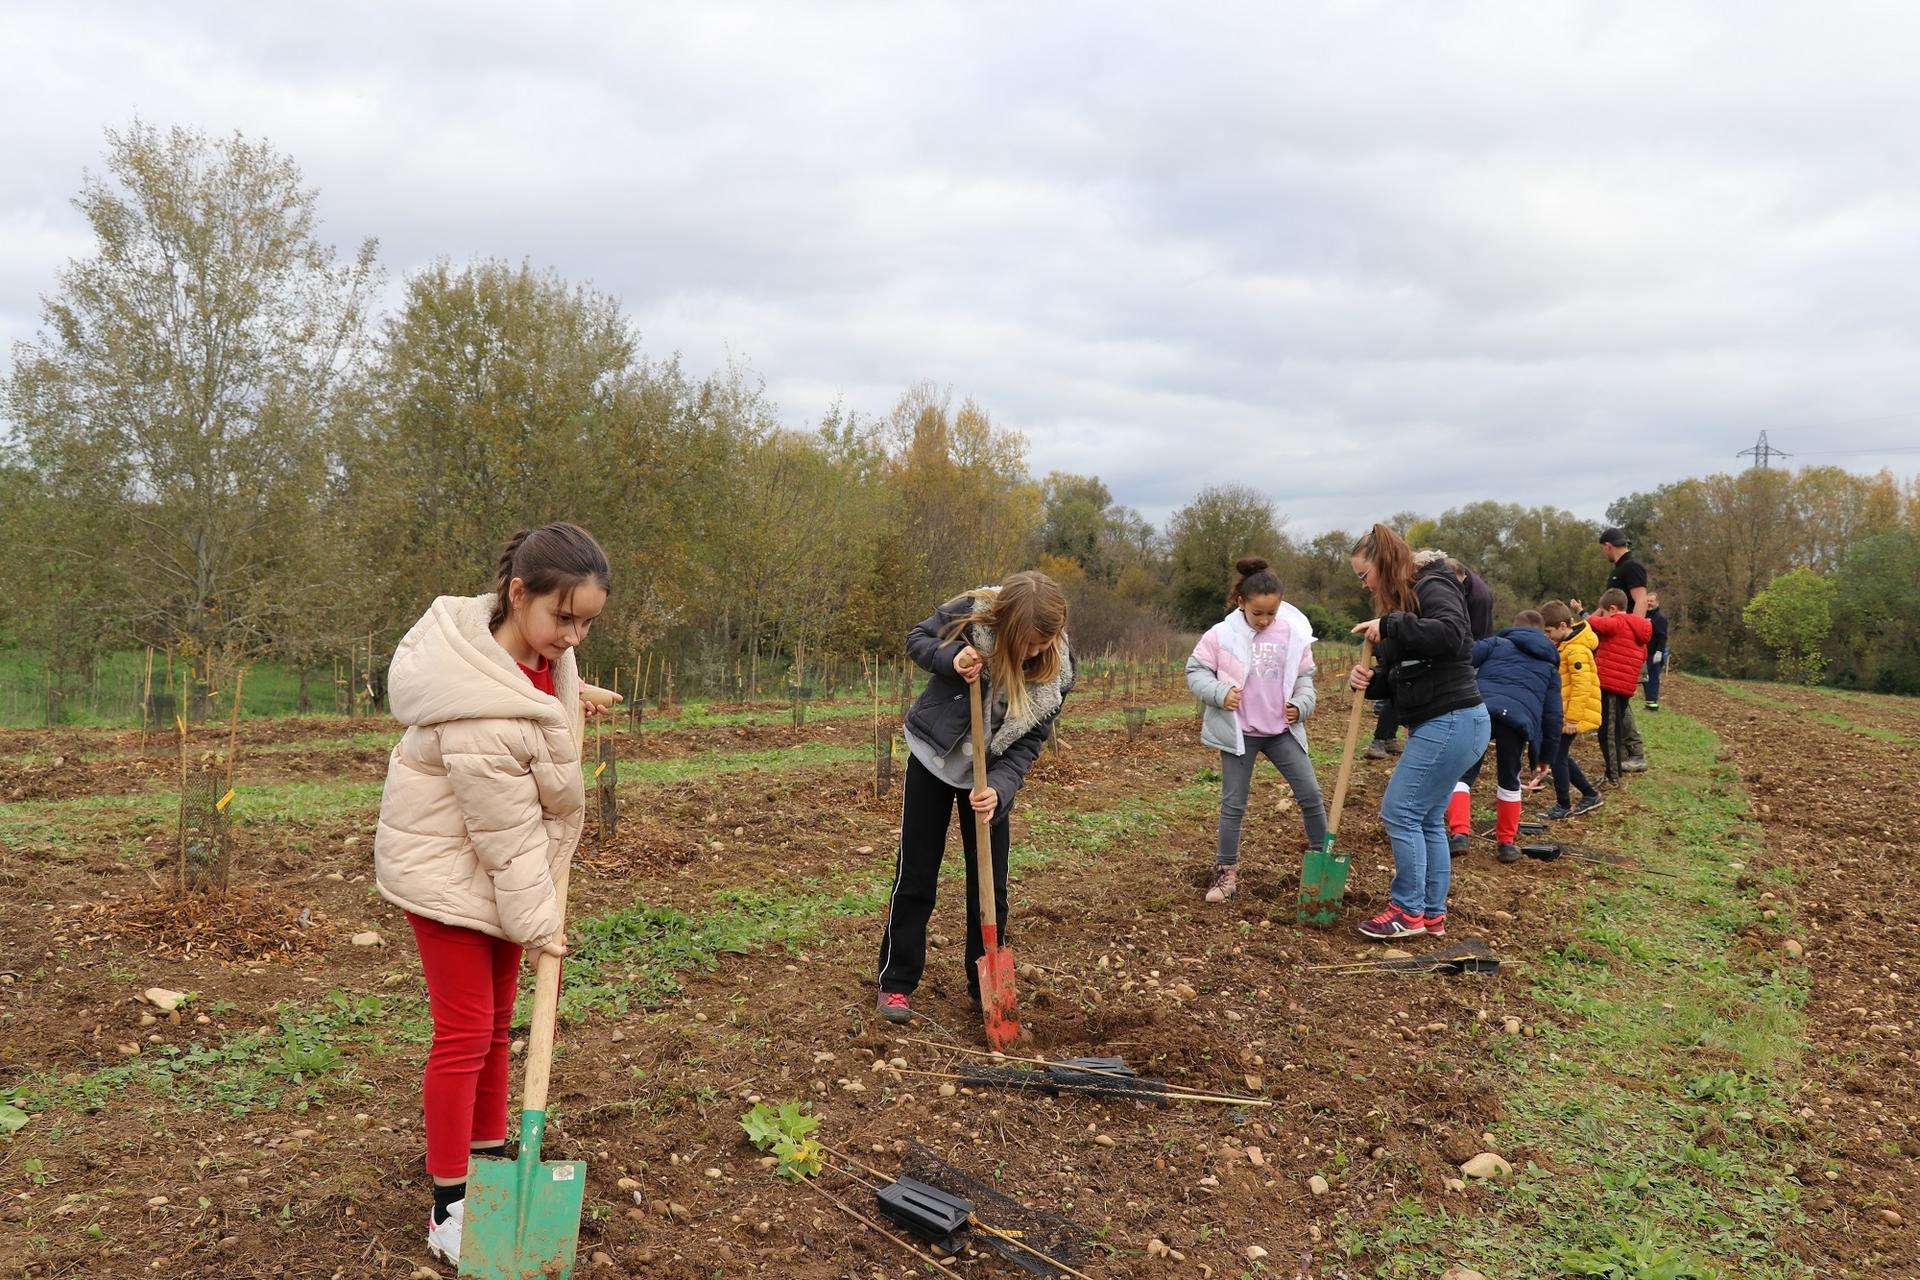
(1519,675)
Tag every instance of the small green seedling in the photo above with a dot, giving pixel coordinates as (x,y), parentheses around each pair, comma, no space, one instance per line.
(782,1132)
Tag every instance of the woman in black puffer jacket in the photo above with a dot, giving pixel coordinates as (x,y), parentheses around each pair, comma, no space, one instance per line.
(1423,646)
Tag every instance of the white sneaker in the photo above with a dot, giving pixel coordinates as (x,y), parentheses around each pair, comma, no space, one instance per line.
(443,1238)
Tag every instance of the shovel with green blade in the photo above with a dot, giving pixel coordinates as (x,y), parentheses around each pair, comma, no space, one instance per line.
(1323,873)
(523,1216)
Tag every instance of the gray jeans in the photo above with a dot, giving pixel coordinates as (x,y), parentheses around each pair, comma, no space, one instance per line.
(1636,749)
(1236,779)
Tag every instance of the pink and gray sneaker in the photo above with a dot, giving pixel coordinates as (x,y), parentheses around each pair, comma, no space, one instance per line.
(1393,923)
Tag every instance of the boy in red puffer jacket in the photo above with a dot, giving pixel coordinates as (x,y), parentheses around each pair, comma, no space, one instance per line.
(1623,651)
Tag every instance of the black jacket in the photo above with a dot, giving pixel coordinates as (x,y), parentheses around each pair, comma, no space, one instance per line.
(941,716)
(1423,661)
(1479,606)
(1658,617)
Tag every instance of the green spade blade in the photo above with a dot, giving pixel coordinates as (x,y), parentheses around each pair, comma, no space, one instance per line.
(523,1216)
(1323,883)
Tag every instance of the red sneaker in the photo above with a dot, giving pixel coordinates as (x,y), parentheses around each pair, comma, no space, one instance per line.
(1393,923)
(892,1006)
(1437,925)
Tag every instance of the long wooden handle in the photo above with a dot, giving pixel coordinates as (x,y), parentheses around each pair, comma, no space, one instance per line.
(982,825)
(1346,754)
(546,1009)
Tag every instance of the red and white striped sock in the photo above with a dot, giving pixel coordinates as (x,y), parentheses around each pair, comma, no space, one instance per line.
(1506,810)
(1460,810)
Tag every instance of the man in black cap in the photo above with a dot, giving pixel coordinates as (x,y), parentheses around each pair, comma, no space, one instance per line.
(1630,576)
(1628,573)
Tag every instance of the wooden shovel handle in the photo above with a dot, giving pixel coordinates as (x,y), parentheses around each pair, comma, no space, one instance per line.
(1346,754)
(982,825)
(546,1009)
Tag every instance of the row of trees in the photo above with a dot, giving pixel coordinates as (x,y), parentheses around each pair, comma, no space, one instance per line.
(216,445)
(1831,559)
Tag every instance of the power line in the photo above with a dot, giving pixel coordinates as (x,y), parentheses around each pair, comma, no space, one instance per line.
(1834,453)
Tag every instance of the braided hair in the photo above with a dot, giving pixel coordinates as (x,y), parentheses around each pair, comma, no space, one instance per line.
(554,557)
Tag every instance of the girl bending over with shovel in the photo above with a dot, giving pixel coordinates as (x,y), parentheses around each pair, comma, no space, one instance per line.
(1254,673)
(483,807)
(1009,643)
(1422,646)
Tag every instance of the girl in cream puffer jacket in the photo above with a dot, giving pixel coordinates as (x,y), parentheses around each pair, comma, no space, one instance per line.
(482,811)
(484,801)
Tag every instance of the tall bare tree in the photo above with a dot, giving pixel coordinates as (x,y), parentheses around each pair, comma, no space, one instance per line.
(181,393)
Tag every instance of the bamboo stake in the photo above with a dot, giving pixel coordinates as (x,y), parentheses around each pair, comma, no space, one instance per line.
(180,870)
(1091,1071)
(1145,1095)
(146,702)
(233,731)
(972,1219)
(946,1268)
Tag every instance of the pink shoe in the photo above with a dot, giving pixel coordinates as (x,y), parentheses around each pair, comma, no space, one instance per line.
(892,1005)
(1437,925)
(1393,923)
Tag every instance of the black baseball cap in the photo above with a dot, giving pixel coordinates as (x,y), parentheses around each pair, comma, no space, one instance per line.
(1616,536)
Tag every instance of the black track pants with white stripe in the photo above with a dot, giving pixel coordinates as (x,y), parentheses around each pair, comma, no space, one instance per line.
(926,807)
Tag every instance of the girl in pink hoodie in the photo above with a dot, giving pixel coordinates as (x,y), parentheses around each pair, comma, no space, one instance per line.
(1253,673)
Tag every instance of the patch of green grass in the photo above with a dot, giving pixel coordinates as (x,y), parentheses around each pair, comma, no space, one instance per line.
(1653,1096)
(112,698)
(309,1053)
(699,715)
(306,803)
(310,802)
(49,823)
(59,822)
(640,952)
(1117,719)
(371,739)
(709,764)
(1756,693)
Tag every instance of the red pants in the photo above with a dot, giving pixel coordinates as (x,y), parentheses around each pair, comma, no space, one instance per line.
(471,980)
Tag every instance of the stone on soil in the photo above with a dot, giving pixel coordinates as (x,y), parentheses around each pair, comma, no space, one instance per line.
(1486,1165)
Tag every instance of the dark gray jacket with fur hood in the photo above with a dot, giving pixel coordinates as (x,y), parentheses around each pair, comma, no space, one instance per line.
(940,717)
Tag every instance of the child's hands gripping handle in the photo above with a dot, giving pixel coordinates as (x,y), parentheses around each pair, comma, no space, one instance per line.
(966,665)
(982,818)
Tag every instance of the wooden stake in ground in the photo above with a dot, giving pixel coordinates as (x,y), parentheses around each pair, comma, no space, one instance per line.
(146,703)
(180,869)
(606,781)
(233,730)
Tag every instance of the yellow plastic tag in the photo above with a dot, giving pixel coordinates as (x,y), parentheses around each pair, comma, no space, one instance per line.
(225,800)
(600,770)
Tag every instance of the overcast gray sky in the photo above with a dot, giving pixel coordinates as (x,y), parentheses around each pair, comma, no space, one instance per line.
(1363,256)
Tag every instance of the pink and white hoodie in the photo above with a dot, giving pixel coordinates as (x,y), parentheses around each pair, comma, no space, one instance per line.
(1220,662)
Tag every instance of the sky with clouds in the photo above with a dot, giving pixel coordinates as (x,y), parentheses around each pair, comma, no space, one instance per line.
(1365,257)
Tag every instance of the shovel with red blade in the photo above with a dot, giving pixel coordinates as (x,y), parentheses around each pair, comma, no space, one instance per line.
(996,966)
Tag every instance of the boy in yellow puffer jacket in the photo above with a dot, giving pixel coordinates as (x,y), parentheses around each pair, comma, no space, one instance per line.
(1580,704)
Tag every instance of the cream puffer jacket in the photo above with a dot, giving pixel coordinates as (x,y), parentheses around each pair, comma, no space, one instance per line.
(484,799)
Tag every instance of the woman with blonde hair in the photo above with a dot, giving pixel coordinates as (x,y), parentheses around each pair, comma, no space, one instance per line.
(1013,639)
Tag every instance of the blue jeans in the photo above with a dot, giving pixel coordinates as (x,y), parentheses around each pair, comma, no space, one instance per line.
(1414,809)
